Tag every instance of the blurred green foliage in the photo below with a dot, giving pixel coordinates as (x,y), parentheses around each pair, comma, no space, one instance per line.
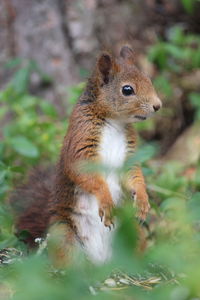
(179,53)
(189,5)
(32,133)
(175,57)
(195,101)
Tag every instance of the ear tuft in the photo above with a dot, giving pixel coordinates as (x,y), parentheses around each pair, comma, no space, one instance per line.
(127,54)
(105,66)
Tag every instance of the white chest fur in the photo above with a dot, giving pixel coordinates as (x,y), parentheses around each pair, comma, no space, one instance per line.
(113,153)
(95,236)
(113,144)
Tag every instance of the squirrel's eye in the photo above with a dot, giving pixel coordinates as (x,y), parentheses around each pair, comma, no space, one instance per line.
(127,90)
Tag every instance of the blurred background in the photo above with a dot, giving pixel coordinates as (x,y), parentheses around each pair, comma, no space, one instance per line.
(50,45)
(47,51)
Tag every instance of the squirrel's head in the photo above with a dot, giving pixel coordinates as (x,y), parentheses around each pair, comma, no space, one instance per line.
(125,92)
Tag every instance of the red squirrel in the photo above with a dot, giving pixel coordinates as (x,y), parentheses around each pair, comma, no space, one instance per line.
(100,131)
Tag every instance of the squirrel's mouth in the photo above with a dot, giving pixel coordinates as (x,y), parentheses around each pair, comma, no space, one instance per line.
(140,117)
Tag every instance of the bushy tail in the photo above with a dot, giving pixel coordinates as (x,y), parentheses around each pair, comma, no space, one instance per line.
(30,205)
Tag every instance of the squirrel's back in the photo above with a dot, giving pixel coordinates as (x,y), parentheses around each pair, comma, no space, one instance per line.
(30,205)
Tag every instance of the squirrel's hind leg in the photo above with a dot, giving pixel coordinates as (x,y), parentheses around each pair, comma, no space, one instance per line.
(61,244)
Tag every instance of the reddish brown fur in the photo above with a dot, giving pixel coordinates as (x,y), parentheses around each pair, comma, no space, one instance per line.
(101,100)
(30,204)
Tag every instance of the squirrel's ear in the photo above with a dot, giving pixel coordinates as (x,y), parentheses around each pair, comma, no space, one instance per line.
(104,65)
(127,54)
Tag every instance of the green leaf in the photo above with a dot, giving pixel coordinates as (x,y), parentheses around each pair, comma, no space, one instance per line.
(16,169)
(158,55)
(23,146)
(74,92)
(162,83)
(13,63)
(174,50)
(194,207)
(4,189)
(188,5)
(195,99)
(170,204)
(141,156)
(3,111)
(176,35)
(3,174)
(48,108)
(196,59)
(20,80)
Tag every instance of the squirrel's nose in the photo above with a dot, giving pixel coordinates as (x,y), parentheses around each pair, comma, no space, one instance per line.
(156,107)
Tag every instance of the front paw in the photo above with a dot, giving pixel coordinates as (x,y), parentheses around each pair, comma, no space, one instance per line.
(105,213)
(142,203)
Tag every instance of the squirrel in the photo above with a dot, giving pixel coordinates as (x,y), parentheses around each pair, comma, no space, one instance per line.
(100,131)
